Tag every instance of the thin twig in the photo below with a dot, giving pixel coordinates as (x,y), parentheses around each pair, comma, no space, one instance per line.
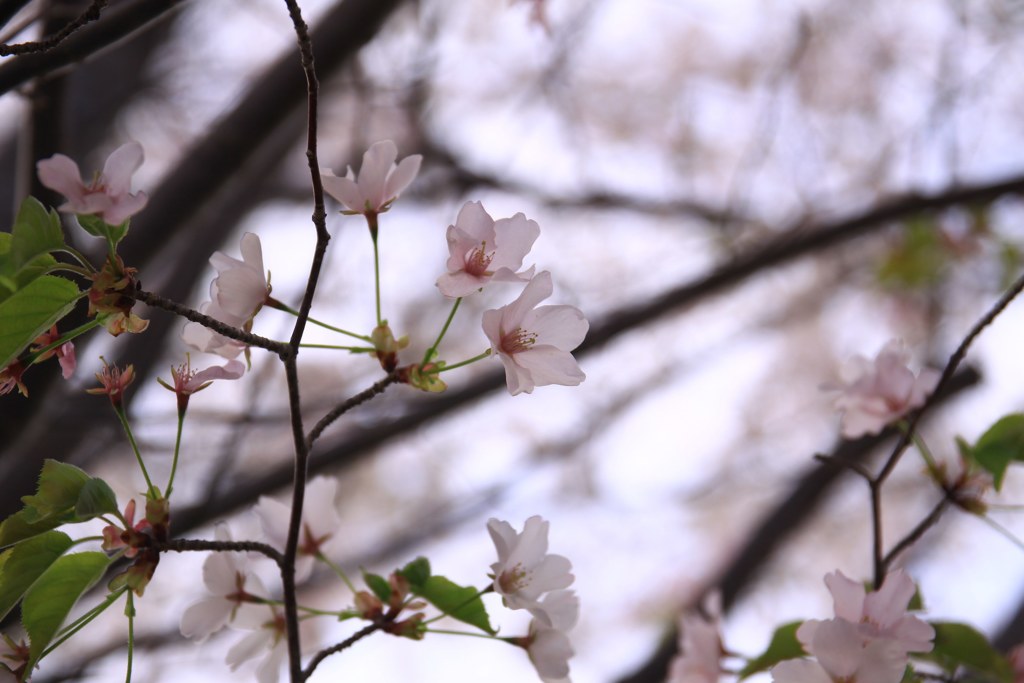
(907,435)
(157,301)
(181,545)
(347,643)
(92,13)
(915,534)
(352,402)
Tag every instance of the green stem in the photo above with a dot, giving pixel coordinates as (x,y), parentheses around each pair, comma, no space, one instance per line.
(151,491)
(922,447)
(376,276)
(75,254)
(429,355)
(337,570)
(462,633)
(129,610)
(77,625)
(68,336)
(177,449)
(274,303)
(353,349)
(464,362)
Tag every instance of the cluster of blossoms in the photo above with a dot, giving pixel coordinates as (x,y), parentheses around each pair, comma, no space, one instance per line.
(869,639)
(527,577)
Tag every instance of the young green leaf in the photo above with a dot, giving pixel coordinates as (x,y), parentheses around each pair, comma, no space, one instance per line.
(60,485)
(959,645)
(16,528)
(96,226)
(94,499)
(50,599)
(32,310)
(21,565)
(784,645)
(1002,444)
(379,585)
(416,572)
(460,602)
(36,232)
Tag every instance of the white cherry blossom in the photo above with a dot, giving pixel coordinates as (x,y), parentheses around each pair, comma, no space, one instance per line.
(109,194)
(482,249)
(379,182)
(549,647)
(524,570)
(267,637)
(534,344)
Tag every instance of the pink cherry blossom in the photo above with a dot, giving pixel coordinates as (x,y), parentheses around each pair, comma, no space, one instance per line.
(188,381)
(236,296)
(534,344)
(482,249)
(65,352)
(700,646)
(842,655)
(524,570)
(320,523)
(232,590)
(877,393)
(108,195)
(379,182)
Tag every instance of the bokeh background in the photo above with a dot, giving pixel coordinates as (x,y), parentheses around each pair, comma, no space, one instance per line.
(739,194)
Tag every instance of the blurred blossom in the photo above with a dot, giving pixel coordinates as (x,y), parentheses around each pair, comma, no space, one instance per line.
(268,638)
(876,393)
(534,344)
(320,522)
(482,249)
(108,195)
(700,645)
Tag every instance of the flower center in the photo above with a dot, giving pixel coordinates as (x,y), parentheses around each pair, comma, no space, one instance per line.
(479,260)
(514,579)
(518,340)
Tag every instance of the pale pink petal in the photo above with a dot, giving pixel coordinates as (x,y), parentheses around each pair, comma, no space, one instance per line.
(233,369)
(837,645)
(848,596)
(377,162)
(344,190)
(889,603)
(548,365)
(799,671)
(459,284)
(120,165)
(883,661)
(125,207)
(61,174)
(252,645)
(550,652)
(270,668)
(504,537)
(66,358)
(561,326)
(514,238)
(402,176)
(207,616)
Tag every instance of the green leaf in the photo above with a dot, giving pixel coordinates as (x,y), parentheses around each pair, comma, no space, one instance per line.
(16,529)
(32,310)
(784,645)
(1002,444)
(461,602)
(14,276)
(51,597)
(959,645)
(36,233)
(416,572)
(379,585)
(96,226)
(60,485)
(95,498)
(21,565)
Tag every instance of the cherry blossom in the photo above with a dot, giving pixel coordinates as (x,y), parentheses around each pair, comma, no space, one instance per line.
(236,296)
(10,377)
(482,249)
(233,590)
(108,195)
(114,381)
(700,645)
(379,182)
(534,344)
(188,381)
(320,522)
(867,641)
(524,570)
(547,645)
(268,636)
(875,393)
(65,352)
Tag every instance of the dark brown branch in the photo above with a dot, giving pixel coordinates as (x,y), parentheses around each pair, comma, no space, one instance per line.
(117,24)
(343,645)
(181,545)
(913,536)
(92,13)
(157,301)
(342,408)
